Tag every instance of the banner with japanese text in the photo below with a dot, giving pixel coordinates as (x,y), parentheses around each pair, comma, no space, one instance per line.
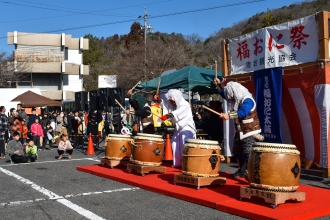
(268,94)
(286,44)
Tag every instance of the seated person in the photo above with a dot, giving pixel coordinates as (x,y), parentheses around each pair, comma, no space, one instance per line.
(64,146)
(31,151)
(14,149)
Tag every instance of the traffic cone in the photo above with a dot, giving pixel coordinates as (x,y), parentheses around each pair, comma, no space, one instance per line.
(90,147)
(168,149)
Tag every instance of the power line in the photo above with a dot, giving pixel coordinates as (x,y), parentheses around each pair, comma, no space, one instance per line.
(157,16)
(37,3)
(111,9)
(54,9)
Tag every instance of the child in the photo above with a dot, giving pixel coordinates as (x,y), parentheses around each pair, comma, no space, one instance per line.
(49,136)
(31,151)
(25,132)
(14,149)
(37,132)
(64,146)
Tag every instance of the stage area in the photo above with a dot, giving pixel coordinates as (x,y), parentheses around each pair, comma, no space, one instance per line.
(225,198)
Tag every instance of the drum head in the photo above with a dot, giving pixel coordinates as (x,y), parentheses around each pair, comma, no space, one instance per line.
(149,135)
(118,136)
(275,145)
(275,148)
(200,141)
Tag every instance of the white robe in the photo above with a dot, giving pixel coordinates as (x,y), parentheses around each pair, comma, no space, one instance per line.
(184,129)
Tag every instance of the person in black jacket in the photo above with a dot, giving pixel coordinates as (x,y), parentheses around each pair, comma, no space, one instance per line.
(94,118)
(143,111)
(32,118)
(48,136)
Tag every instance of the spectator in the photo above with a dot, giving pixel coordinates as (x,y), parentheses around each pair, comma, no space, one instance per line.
(21,112)
(48,136)
(12,119)
(31,151)
(37,132)
(25,132)
(81,131)
(43,121)
(3,131)
(86,121)
(61,124)
(76,122)
(32,118)
(69,117)
(64,146)
(13,128)
(116,122)
(94,118)
(15,151)
(12,116)
(53,120)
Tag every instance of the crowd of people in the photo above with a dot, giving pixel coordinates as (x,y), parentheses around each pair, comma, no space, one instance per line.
(23,135)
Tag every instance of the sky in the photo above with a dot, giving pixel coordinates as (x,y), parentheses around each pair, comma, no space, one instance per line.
(104,18)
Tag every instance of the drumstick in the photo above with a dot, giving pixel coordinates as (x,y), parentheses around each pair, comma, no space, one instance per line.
(211,110)
(216,72)
(157,92)
(136,85)
(153,113)
(120,104)
(215,69)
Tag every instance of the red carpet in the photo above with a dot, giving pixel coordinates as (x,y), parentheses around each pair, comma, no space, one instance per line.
(224,198)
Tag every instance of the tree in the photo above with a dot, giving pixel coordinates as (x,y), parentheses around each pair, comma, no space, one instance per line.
(11,71)
(94,57)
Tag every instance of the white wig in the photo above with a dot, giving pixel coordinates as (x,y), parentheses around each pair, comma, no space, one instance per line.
(236,91)
(175,95)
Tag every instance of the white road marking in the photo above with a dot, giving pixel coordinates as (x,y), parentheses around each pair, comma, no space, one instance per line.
(52,161)
(84,212)
(68,196)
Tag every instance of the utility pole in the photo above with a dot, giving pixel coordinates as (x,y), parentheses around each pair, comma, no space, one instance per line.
(145,27)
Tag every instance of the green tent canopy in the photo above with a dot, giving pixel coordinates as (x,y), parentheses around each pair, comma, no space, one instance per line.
(190,78)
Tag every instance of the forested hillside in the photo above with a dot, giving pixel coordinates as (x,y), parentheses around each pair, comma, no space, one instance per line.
(127,57)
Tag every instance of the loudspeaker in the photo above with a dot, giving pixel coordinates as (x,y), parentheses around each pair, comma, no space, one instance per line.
(94,99)
(119,94)
(80,100)
(104,99)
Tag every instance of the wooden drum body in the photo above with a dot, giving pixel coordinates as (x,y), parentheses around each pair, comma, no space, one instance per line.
(119,147)
(274,167)
(201,158)
(148,149)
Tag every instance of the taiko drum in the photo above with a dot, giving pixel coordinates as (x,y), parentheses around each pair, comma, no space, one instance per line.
(148,149)
(118,147)
(274,167)
(201,158)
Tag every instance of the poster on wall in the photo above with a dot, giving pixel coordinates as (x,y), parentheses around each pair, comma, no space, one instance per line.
(107,81)
(285,44)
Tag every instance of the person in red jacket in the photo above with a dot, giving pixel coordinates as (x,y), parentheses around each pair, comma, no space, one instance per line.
(25,132)
(37,132)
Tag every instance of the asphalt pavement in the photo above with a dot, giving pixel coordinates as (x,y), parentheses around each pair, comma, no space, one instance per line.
(54,189)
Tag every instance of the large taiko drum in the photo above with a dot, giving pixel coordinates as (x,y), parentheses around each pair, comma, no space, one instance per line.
(148,149)
(274,167)
(118,147)
(201,158)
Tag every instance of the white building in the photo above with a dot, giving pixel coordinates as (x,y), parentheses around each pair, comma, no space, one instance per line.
(53,62)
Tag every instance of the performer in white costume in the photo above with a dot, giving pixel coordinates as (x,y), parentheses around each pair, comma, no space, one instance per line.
(184,124)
